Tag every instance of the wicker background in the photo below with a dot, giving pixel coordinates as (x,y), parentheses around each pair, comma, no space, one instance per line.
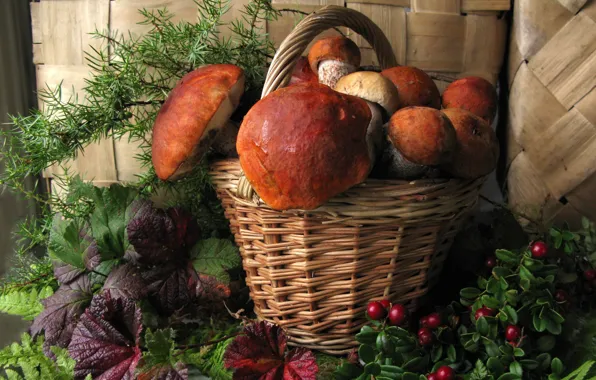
(552,109)
(448,37)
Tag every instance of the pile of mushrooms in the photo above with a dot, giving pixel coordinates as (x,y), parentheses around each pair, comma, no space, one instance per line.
(331,128)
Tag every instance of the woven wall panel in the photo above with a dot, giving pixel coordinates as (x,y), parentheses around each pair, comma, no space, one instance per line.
(552,109)
(449,38)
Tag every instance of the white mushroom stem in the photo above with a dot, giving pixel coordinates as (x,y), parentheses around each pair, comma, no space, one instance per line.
(331,70)
(374,133)
(225,142)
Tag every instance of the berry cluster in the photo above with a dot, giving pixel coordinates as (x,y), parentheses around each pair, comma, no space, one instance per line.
(396,315)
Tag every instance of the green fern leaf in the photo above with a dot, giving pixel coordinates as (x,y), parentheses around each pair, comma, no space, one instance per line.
(24,302)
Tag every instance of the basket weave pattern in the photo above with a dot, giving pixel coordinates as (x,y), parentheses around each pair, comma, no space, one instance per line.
(314,272)
(552,110)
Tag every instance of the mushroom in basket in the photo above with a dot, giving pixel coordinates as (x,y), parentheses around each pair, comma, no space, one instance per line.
(302,72)
(473,94)
(301,145)
(193,116)
(415,87)
(333,57)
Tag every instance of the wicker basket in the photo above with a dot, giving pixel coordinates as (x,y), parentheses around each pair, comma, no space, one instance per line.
(552,110)
(313,272)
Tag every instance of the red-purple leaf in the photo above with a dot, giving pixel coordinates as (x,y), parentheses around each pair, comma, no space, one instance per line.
(211,290)
(126,281)
(260,354)
(160,236)
(300,364)
(165,372)
(61,313)
(171,287)
(92,257)
(105,341)
(66,273)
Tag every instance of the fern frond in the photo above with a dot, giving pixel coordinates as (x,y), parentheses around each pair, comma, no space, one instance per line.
(582,372)
(25,303)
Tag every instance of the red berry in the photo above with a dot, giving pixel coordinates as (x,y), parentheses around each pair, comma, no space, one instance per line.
(445,373)
(539,250)
(376,310)
(490,262)
(431,376)
(425,336)
(512,333)
(397,315)
(484,312)
(386,304)
(424,321)
(433,320)
(561,296)
(590,274)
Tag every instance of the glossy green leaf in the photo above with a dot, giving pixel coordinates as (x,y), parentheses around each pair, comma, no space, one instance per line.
(391,369)
(516,368)
(518,352)
(511,314)
(491,302)
(348,371)
(566,278)
(556,316)
(495,366)
(524,273)
(436,353)
(451,353)
(509,376)
(546,343)
(539,324)
(470,293)
(525,284)
(367,335)
(553,327)
(372,369)
(367,353)
(507,256)
(529,364)
(557,366)
(544,360)
(491,347)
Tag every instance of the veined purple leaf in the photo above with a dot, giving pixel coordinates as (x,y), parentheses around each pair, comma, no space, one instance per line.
(66,273)
(92,257)
(171,287)
(165,372)
(61,313)
(105,342)
(126,281)
(160,236)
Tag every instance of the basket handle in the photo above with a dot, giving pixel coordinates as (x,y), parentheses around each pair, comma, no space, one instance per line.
(293,46)
(328,17)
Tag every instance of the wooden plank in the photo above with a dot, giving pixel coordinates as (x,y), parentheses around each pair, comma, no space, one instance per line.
(590,10)
(37,54)
(128,167)
(391,20)
(395,3)
(125,15)
(484,47)
(435,41)
(279,29)
(587,106)
(573,5)
(320,3)
(66,26)
(564,153)
(582,197)
(539,109)
(97,162)
(434,6)
(35,23)
(485,5)
(569,76)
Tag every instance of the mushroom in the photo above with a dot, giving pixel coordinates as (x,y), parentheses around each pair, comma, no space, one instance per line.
(423,135)
(303,144)
(472,94)
(380,96)
(302,72)
(415,87)
(333,57)
(477,145)
(196,110)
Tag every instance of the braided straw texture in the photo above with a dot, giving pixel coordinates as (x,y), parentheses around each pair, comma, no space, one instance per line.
(313,272)
(552,110)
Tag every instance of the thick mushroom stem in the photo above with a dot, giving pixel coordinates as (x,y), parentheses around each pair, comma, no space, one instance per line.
(374,132)
(330,71)
(225,142)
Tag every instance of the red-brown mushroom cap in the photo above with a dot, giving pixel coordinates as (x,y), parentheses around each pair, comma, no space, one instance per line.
(473,94)
(195,110)
(477,150)
(301,145)
(414,87)
(334,48)
(302,72)
(423,135)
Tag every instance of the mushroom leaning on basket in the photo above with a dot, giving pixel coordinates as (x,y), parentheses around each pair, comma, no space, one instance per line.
(380,96)
(301,145)
(193,116)
(302,72)
(332,58)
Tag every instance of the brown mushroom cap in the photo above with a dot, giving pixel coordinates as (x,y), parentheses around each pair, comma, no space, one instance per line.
(303,144)
(473,94)
(423,135)
(477,145)
(188,122)
(302,72)
(415,87)
(370,86)
(334,48)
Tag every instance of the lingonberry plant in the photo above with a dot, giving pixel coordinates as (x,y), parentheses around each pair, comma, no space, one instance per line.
(506,327)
